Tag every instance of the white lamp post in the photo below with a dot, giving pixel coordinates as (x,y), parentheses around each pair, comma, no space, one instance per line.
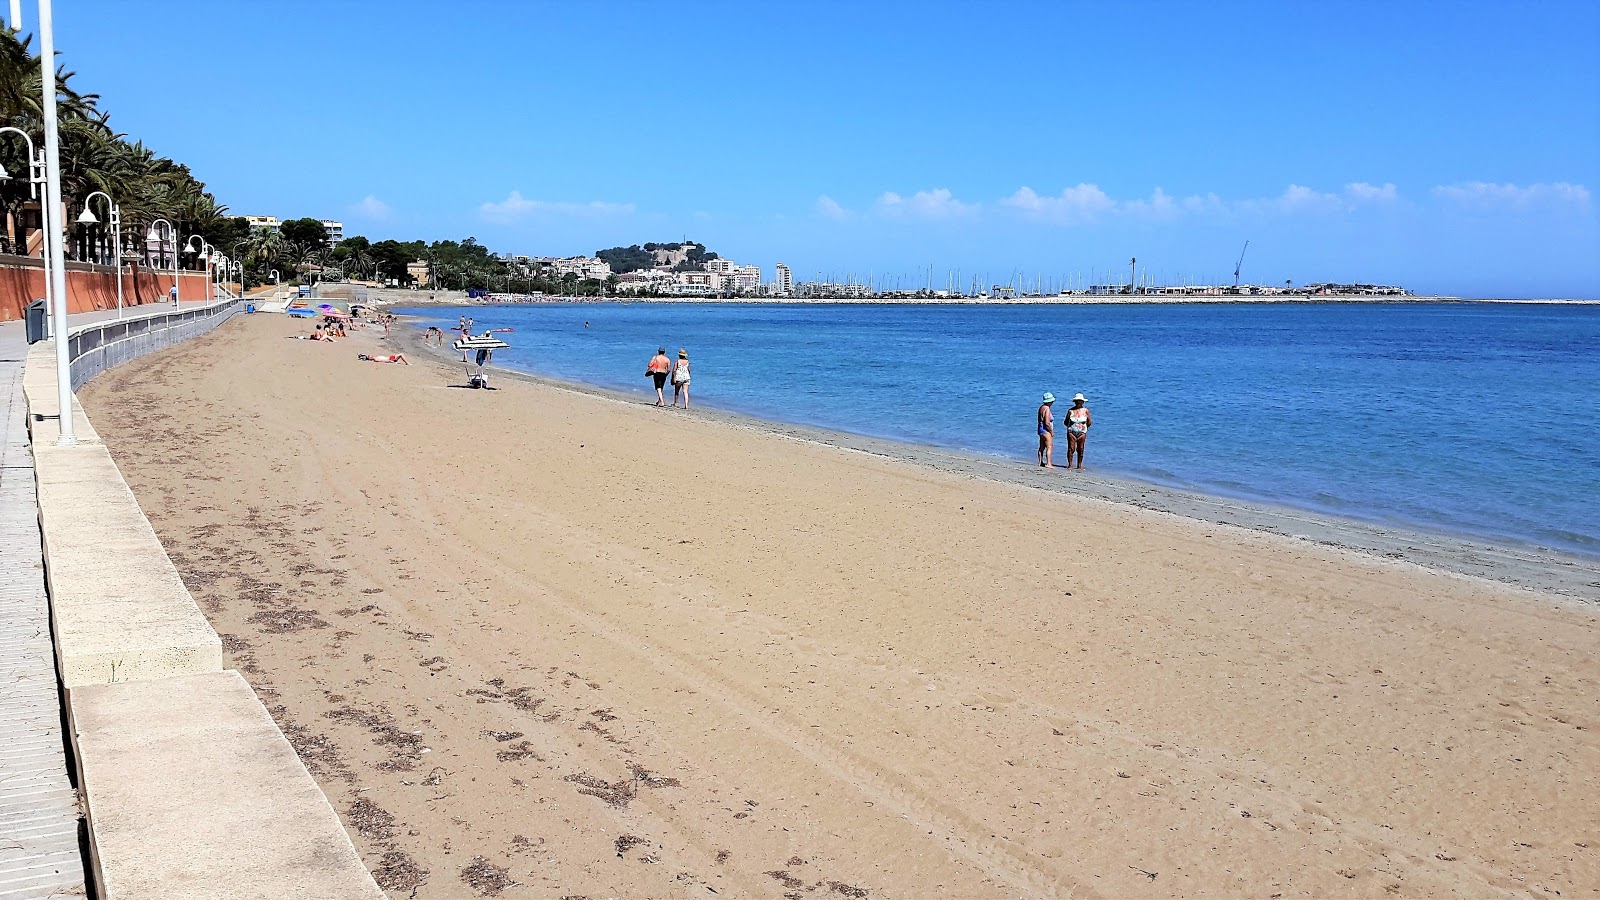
(36,177)
(172,237)
(52,198)
(88,218)
(204,250)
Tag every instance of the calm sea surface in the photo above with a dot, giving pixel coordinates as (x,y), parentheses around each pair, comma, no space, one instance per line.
(1468,419)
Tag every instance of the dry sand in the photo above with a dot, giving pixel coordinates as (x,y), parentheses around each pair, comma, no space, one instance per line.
(550,644)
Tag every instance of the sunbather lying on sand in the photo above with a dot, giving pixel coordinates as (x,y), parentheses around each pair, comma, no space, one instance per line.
(396,358)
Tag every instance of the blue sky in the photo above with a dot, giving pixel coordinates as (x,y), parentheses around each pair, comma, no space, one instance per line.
(1451,147)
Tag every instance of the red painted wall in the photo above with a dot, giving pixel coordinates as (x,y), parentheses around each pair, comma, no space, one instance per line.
(90,287)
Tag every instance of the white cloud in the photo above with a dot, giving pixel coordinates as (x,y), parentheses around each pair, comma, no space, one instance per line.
(934,204)
(371,208)
(829,208)
(517,207)
(1362,192)
(1073,205)
(1297,198)
(1487,195)
(1088,203)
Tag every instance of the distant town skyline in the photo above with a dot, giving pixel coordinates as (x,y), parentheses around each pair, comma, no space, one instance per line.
(1450,149)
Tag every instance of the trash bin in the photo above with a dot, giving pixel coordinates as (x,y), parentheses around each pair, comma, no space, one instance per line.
(249,307)
(38,321)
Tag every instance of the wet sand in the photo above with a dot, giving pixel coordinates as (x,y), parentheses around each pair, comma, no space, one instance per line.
(545,643)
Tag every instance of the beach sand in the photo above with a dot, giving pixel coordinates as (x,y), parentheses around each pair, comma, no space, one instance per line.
(550,644)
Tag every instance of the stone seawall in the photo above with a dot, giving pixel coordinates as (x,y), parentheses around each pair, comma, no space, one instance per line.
(190,789)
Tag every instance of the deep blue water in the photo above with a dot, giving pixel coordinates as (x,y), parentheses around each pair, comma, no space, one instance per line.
(1476,419)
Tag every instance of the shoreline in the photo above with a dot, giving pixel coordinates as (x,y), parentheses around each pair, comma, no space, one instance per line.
(398,297)
(1522,566)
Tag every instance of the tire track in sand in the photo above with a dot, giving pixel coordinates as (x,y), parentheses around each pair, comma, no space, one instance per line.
(874,778)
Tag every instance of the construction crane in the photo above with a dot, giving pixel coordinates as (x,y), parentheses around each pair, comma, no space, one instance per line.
(1239,265)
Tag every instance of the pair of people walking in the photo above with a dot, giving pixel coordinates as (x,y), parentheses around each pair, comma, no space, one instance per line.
(1077,422)
(661,368)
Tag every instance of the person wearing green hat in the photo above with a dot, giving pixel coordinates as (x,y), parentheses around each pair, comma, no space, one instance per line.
(1047,432)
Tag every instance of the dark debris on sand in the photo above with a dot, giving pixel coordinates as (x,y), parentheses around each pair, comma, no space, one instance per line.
(372,821)
(485,878)
(399,873)
(287,621)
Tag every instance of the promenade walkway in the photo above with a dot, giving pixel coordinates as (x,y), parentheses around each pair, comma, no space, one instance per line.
(39,817)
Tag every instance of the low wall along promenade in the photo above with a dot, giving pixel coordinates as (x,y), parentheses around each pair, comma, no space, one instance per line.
(91,287)
(190,789)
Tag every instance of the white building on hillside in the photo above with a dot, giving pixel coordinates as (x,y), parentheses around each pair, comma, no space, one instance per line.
(334,229)
(745,279)
(585,267)
(262,223)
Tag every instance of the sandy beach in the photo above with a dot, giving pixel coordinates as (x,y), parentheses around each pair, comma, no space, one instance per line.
(538,642)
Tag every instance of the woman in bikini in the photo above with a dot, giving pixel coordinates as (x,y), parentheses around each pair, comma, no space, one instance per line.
(1047,432)
(1078,422)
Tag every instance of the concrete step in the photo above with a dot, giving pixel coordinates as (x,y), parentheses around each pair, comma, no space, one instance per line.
(192,791)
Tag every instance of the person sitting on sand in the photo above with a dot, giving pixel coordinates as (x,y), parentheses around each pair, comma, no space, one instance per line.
(1078,422)
(394,358)
(680,379)
(658,370)
(1047,431)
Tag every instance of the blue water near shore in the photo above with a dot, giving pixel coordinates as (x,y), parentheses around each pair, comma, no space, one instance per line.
(1469,419)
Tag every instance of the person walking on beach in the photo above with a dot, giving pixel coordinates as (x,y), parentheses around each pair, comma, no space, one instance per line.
(658,370)
(1047,431)
(680,379)
(1078,422)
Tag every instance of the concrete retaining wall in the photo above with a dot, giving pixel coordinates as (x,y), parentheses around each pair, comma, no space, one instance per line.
(190,789)
(91,287)
(104,345)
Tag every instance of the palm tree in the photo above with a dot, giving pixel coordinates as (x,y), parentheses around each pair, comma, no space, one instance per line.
(93,158)
(358,262)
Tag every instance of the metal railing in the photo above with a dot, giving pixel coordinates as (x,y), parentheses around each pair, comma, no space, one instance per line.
(99,346)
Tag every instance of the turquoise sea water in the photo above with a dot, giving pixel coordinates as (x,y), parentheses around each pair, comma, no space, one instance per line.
(1461,418)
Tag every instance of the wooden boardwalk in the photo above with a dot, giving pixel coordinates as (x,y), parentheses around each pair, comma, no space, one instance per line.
(39,818)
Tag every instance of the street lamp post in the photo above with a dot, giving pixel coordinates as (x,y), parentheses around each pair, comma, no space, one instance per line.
(88,218)
(36,177)
(57,273)
(172,237)
(204,253)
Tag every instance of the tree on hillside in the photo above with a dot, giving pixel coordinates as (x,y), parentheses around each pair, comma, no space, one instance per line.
(627,259)
(307,231)
(390,258)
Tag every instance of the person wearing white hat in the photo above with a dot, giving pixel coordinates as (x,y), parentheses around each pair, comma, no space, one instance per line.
(1047,432)
(1078,422)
